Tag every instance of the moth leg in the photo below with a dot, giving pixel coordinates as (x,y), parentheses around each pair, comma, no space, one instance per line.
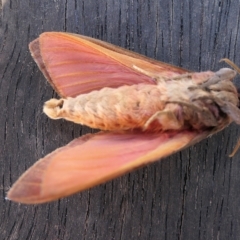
(231,110)
(203,114)
(166,118)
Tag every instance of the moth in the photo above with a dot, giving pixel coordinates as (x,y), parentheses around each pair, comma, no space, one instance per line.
(145,109)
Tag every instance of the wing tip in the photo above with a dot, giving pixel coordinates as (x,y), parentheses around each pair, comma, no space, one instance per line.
(17,194)
(35,50)
(28,188)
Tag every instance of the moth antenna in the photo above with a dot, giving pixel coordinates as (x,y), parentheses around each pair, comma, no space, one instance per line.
(237,146)
(231,64)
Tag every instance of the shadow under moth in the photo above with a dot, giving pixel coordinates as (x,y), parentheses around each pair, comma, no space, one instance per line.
(146,110)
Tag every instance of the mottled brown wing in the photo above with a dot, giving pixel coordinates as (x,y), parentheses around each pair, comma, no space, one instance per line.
(75,64)
(94,159)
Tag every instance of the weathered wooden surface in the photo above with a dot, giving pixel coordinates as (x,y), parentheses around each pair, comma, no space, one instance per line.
(193,194)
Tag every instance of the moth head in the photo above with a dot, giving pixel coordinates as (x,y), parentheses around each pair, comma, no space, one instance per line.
(237,70)
(233,110)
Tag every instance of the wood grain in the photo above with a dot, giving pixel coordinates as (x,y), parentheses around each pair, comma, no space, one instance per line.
(191,195)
